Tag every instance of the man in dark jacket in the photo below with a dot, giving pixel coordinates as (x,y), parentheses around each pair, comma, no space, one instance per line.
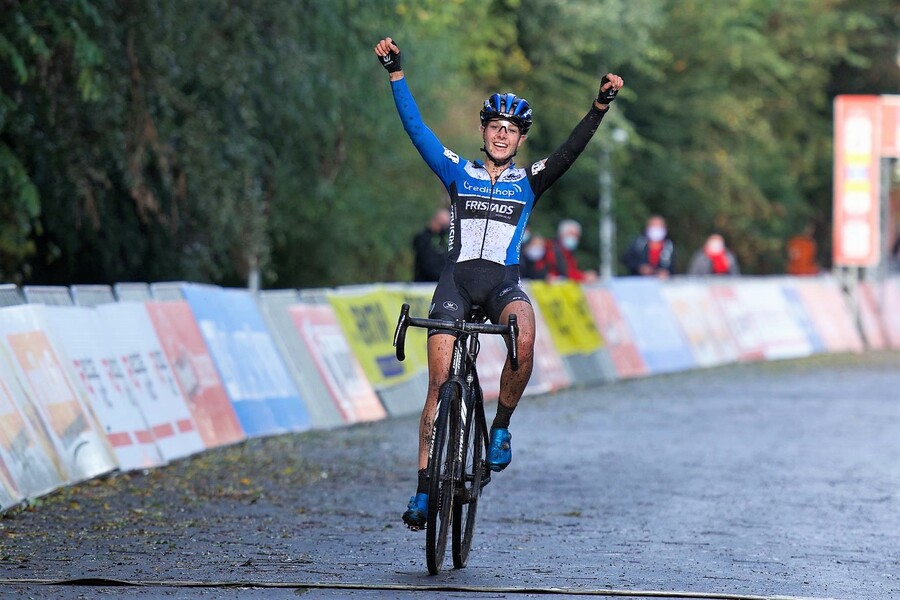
(652,253)
(430,246)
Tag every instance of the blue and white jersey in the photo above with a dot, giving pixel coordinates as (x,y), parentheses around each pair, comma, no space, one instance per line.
(487,219)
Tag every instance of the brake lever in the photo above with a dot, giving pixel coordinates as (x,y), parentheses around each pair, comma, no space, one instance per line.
(513,342)
(400,333)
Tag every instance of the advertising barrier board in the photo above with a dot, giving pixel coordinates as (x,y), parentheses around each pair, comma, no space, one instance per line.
(830,314)
(573,331)
(58,401)
(702,323)
(81,335)
(149,377)
(28,458)
(195,372)
(335,364)
(368,317)
(616,334)
(257,382)
(656,332)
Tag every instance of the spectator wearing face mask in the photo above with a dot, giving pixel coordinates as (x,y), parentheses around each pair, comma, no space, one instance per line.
(430,246)
(652,253)
(534,252)
(714,259)
(560,257)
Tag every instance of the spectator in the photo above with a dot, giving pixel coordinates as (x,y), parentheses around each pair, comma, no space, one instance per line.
(651,253)
(534,255)
(714,259)
(430,246)
(801,250)
(559,257)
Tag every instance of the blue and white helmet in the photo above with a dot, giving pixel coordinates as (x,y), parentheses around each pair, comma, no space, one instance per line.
(507,106)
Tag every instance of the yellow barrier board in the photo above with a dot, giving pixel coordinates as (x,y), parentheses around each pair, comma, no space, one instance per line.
(568,317)
(368,321)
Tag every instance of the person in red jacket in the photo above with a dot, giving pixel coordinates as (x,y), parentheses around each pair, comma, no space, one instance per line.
(559,257)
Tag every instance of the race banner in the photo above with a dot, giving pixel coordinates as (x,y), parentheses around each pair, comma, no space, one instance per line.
(656,331)
(616,334)
(194,370)
(256,379)
(568,317)
(148,375)
(27,459)
(335,363)
(702,322)
(368,320)
(59,402)
(81,334)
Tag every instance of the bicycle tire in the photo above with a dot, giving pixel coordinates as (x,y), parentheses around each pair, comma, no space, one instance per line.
(466,507)
(440,481)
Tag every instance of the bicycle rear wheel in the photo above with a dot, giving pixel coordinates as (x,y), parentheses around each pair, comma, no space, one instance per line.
(440,479)
(466,505)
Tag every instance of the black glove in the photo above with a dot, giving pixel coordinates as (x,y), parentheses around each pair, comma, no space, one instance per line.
(607,96)
(391,62)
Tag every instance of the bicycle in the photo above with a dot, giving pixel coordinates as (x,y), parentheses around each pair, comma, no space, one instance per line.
(456,471)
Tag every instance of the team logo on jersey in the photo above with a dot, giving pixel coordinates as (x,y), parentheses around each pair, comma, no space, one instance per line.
(538,166)
(451,306)
(452,156)
(505,292)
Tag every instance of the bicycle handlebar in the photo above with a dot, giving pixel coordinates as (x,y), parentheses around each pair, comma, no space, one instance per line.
(510,332)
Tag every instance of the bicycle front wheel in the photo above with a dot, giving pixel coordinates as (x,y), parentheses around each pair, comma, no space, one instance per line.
(440,479)
(467,492)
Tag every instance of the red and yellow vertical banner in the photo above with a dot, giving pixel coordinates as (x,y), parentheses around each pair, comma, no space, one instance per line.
(857,160)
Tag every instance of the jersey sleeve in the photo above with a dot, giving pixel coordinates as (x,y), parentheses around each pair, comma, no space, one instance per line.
(544,173)
(443,162)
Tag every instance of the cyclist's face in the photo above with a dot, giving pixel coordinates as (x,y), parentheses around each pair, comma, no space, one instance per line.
(502,138)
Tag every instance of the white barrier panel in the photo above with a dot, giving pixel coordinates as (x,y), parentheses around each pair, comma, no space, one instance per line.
(702,322)
(59,402)
(346,383)
(28,459)
(130,334)
(79,332)
(761,320)
(181,340)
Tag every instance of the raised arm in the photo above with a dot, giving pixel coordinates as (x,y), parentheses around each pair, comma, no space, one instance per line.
(442,161)
(544,173)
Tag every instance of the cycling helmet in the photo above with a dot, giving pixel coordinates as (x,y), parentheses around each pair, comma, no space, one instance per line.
(507,106)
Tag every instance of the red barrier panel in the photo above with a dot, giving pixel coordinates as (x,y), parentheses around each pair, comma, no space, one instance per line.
(183,344)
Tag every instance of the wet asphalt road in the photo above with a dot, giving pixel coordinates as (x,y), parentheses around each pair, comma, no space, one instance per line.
(769,479)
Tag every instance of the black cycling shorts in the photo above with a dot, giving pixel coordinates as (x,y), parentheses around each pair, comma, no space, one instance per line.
(462,285)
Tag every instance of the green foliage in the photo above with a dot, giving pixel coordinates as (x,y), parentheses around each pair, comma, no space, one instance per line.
(155,140)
